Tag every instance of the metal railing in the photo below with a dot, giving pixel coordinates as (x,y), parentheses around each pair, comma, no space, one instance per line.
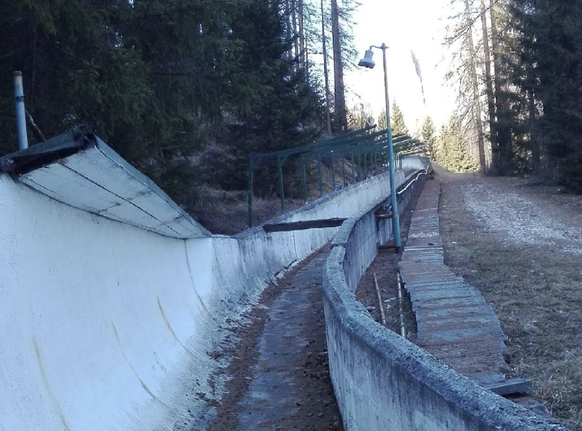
(363,148)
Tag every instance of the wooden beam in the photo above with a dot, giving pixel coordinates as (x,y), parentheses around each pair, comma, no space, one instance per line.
(510,387)
(386,246)
(384,216)
(303,225)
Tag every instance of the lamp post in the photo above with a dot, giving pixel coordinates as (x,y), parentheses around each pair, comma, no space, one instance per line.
(368,62)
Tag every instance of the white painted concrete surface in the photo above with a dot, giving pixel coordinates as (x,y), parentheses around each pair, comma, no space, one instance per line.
(99,181)
(107,326)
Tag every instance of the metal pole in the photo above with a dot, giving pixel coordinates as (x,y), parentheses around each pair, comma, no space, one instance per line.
(396,216)
(20,111)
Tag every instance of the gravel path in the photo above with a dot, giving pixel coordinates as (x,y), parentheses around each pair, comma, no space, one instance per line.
(279,377)
(520,244)
(517,218)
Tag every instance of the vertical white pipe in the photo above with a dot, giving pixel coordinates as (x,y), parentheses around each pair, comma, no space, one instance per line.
(20,111)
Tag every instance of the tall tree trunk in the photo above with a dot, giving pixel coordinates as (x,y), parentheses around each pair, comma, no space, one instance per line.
(489,86)
(302,46)
(325,70)
(534,143)
(504,140)
(294,33)
(288,34)
(477,112)
(338,70)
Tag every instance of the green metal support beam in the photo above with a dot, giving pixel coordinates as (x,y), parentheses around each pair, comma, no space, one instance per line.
(359,143)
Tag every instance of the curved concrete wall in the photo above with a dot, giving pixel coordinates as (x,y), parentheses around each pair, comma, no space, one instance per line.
(106,326)
(381,380)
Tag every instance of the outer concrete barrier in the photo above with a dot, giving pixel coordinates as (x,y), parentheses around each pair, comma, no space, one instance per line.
(381,380)
(108,326)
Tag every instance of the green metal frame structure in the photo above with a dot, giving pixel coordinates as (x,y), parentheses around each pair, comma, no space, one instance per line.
(357,145)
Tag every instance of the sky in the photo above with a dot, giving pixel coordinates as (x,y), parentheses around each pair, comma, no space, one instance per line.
(404,25)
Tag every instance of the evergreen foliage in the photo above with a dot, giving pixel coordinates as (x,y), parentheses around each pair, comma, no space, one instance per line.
(453,148)
(552,42)
(166,83)
(359,117)
(382,124)
(441,150)
(429,137)
(397,121)
(536,53)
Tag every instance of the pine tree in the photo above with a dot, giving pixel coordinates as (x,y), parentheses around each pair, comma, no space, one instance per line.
(458,153)
(502,43)
(359,117)
(486,41)
(397,121)
(553,39)
(453,149)
(338,68)
(160,81)
(441,153)
(464,74)
(382,124)
(429,138)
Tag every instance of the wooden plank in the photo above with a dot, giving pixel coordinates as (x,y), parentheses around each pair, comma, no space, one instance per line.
(384,216)
(510,387)
(303,225)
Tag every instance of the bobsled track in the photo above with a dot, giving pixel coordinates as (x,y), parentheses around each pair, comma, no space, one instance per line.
(113,302)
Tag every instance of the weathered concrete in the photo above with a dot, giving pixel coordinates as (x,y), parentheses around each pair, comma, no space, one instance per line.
(273,392)
(384,382)
(105,325)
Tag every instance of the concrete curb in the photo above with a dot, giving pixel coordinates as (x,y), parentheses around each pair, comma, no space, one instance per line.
(381,380)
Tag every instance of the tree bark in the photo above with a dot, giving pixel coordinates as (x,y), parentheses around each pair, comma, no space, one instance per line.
(534,143)
(302,45)
(477,111)
(338,72)
(325,71)
(287,14)
(504,139)
(490,94)
(294,33)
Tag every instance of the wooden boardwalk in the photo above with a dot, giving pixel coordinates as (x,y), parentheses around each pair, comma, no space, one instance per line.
(454,323)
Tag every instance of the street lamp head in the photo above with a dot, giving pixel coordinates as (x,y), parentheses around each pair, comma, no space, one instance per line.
(367,61)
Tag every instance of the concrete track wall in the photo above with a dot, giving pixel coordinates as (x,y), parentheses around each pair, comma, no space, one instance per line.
(106,326)
(381,380)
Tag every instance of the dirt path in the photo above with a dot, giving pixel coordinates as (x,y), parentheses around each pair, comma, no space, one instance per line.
(521,245)
(279,375)
(385,267)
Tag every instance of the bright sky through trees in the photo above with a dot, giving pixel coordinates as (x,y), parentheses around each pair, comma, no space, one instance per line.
(404,25)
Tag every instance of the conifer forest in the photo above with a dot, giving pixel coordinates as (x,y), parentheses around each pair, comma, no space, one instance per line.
(187,89)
